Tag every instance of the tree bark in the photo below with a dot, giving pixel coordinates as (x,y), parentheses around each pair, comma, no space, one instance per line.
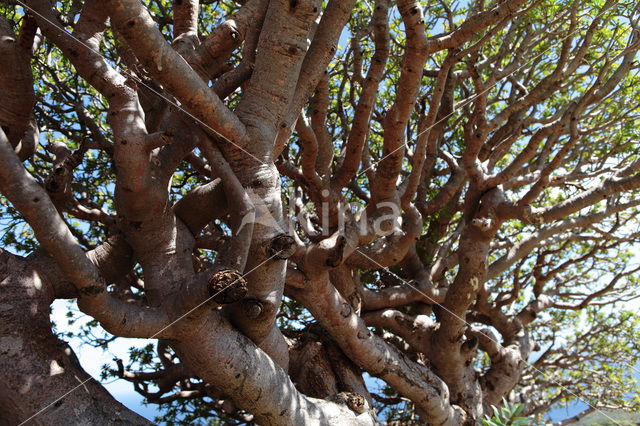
(40,373)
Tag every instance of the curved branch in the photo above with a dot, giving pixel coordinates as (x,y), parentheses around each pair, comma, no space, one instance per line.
(384,186)
(323,47)
(133,21)
(366,101)
(413,380)
(16,84)
(53,234)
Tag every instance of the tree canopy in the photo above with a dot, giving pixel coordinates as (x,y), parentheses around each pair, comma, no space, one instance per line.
(321,211)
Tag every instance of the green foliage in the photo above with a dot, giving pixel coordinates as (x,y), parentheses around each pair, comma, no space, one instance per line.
(507,415)
(610,418)
(585,353)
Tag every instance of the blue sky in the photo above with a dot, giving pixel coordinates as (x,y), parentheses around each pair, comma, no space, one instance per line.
(92,360)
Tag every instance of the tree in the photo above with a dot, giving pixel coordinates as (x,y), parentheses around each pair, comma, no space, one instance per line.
(338,211)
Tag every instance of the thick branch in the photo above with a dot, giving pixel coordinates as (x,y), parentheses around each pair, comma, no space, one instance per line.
(370,352)
(133,21)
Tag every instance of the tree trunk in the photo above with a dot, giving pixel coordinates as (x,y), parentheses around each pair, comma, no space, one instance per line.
(40,373)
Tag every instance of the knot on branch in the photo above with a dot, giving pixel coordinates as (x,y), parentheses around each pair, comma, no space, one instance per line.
(483,223)
(533,215)
(58,180)
(281,247)
(488,216)
(227,286)
(92,290)
(346,310)
(252,308)
(354,401)
(469,347)
(131,82)
(334,259)
(364,334)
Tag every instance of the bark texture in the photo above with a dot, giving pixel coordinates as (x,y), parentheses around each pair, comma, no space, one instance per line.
(313,231)
(38,369)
